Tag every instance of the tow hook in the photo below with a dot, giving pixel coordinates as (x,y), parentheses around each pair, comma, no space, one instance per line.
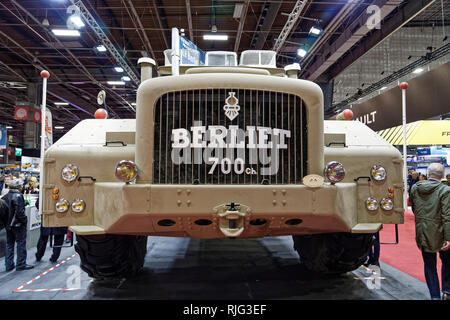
(231,218)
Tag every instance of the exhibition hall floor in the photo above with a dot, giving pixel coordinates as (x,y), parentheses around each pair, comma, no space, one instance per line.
(184,268)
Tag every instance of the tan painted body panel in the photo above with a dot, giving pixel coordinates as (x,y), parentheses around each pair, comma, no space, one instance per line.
(141,207)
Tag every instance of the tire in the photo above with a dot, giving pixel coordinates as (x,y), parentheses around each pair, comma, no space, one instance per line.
(111,256)
(333,253)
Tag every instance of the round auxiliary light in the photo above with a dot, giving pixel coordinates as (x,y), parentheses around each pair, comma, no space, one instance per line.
(126,171)
(378,173)
(386,204)
(371,204)
(69,173)
(62,205)
(78,205)
(334,171)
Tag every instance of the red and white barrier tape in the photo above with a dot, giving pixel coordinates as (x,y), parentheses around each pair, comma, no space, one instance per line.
(20,289)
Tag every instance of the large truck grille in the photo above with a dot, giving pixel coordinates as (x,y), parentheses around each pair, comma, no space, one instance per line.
(183,110)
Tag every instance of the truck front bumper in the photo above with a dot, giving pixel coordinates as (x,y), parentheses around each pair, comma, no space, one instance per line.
(201,211)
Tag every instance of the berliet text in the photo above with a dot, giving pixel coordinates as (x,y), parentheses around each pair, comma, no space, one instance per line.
(207,144)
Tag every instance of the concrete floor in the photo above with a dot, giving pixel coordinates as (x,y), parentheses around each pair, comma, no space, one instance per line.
(183,268)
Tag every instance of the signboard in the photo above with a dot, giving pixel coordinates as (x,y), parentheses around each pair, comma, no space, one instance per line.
(427,96)
(190,54)
(36,116)
(30,164)
(3,137)
(48,130)
(21,113)
(35,218)
(18,152)
(423,151)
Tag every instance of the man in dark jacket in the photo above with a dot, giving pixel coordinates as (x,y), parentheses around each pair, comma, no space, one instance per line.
(16,228)
(4,214)
(57,232)
(431,206)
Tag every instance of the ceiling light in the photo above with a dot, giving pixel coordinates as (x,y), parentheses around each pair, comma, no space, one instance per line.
(315,30)
(59,127)
(238,10)
(301,52)
(118,69)
(9,127)
(76,20)
(100,48)
(215,37)
(61,103)
(116,83)
(384,88)
(45,22)
(125,78)
(66,32)
(418,70)
(133,103)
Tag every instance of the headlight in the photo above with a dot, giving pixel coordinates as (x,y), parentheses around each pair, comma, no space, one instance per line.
(70,172)
(386,204)
(371,204)
(78,205)
(62,205)
(378,173)
(126,171)
(334,171)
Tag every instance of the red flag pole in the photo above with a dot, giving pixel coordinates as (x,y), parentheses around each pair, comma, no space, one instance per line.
(45,75)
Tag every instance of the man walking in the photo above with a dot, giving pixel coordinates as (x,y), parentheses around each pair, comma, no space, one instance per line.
(431,207)
(16,228)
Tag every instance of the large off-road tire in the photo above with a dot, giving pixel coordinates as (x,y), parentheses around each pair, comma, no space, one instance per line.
(333,253)
(111,256)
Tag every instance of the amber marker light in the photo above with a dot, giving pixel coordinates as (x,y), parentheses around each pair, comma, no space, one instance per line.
(391,195)
(391,190)
(55,190)
(55,197)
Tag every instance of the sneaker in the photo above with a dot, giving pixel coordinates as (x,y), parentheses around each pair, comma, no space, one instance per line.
(53,260)
(10,269)
(25,267)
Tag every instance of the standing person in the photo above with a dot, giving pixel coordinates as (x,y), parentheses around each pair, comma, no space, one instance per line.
(431,207)
(448,179)
(5,188)
(16,228)
(57,232)
(4,214)
(422,177)
(374,253)
(414,179)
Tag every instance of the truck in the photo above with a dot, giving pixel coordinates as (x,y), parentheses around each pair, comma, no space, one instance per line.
(222,150)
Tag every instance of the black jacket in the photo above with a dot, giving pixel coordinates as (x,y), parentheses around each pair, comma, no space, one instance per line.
(16,204)
(4,214)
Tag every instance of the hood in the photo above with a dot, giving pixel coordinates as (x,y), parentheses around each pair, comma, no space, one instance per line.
(427,186)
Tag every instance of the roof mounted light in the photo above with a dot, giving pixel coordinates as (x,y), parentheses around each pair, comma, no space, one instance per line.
(215,37)
(100,48)
(315,30)
(301,52)
(66,32)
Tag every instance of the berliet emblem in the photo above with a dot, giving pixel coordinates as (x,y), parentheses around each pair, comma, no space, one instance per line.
(231,108)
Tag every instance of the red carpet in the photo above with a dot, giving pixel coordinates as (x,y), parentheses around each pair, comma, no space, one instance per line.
(404,256)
